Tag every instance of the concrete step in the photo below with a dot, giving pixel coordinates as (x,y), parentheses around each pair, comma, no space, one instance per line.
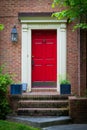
(41,122)
(43,111)
(42,103)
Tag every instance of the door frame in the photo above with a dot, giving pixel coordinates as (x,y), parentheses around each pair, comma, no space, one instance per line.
(27,26)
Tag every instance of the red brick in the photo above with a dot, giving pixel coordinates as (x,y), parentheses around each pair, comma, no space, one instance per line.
(11,54)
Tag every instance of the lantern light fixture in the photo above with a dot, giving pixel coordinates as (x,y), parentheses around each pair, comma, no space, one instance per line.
(14,34)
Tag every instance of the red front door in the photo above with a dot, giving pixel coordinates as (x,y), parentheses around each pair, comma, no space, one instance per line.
(44,58)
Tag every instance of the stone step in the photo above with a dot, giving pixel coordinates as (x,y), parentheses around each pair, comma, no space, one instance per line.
(43,103)
(41,122)
(43,111)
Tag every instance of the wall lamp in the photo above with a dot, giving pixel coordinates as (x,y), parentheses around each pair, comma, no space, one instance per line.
(14,34)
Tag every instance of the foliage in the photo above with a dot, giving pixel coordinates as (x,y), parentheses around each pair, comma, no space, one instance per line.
(6,125)
(1,26)
(63,79)
(73,10)
(5,80)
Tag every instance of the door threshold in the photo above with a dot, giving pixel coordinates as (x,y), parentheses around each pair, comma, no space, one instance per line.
(43,89)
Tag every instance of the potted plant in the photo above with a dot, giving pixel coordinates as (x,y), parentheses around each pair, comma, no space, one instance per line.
(65,86)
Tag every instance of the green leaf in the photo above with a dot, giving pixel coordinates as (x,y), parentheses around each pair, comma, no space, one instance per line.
(1,26)
(73,10)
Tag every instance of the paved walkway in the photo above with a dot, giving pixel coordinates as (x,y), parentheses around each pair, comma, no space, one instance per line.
(67,127)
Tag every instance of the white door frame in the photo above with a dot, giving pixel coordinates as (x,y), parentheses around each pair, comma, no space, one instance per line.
(27,26)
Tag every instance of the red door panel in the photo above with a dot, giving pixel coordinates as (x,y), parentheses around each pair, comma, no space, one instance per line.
(44,58)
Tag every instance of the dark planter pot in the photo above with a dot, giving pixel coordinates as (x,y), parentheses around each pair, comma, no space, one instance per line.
(65,88)
(16,89)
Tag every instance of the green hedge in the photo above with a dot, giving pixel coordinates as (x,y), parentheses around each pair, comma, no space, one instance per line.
(5,81)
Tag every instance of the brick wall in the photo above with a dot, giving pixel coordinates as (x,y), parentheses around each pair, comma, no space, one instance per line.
(78,109)
(10,54)
(83,61)
(73,57)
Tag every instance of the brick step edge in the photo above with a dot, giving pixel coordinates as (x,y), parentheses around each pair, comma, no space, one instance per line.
(43,111)
(42,103)
(39,97)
